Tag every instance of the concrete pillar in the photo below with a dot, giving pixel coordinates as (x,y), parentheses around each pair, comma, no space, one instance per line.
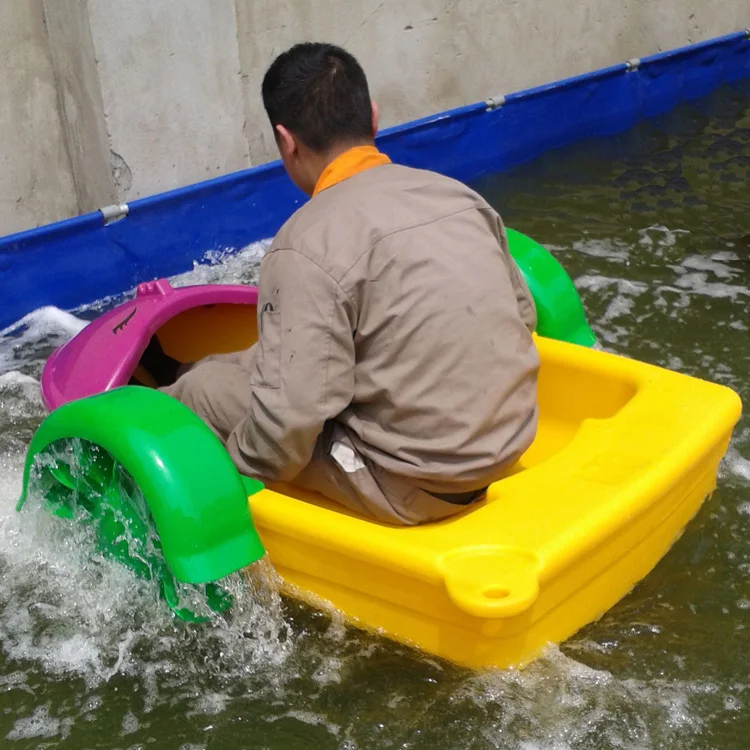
(170,81)
(80,101)
(36,179)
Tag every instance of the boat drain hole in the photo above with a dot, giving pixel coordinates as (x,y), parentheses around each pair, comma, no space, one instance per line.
(495,592)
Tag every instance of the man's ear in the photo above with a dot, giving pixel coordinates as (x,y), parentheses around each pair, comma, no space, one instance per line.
(374,119)
(285,141)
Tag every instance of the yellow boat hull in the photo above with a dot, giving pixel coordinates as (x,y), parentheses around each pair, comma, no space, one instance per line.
(624,457)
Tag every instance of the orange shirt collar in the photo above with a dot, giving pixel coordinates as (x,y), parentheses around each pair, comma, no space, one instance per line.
(351,162)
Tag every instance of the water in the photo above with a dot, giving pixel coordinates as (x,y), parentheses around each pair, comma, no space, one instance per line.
(655,229)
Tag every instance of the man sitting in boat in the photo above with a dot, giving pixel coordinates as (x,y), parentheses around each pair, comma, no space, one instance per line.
(395,371)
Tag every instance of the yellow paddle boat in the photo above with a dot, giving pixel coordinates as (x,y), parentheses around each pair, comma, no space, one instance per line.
(624,457)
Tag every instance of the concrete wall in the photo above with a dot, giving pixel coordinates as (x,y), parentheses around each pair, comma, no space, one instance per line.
(170,78)
(80,102)
(104,100)
(36,178)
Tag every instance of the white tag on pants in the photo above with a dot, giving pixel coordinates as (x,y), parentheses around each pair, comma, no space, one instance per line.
(346,457)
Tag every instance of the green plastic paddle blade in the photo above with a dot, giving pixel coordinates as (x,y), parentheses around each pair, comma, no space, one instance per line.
(82,482)
(560,313)
(194,493)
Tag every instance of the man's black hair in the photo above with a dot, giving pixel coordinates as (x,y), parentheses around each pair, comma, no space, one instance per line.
(319,92)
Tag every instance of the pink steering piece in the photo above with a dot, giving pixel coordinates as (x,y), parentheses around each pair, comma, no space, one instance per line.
(105,354)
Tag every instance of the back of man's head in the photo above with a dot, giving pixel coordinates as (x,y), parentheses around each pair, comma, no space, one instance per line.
(319,93)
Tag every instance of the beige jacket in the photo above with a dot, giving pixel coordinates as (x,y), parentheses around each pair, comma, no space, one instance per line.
(390,304)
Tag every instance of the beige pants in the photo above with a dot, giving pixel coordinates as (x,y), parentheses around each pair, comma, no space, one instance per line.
(218,391)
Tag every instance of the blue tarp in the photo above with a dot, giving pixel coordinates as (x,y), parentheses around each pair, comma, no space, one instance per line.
(73,262)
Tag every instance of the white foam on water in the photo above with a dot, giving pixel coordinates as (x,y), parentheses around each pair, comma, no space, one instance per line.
(226,266)
(710,265)
(597,283)
(64,607)
(694,277)
(15,378)
(35,336)
(210,703)
(674,363)
(659,236)
(328,671)
(693,280)
(618,307)
(44,321)
(557,702)
(731,703)
(394,701)
(310,718)
(59,608)
(613,250)
(21,412)
(697,283)
(724,256)
(39,725)
(15,681)
(735,464)
(130,724)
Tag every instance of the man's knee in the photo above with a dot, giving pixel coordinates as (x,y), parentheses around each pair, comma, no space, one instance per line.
(200,389)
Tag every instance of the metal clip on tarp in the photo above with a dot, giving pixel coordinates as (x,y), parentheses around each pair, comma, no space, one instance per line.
(113,213)
(495,102)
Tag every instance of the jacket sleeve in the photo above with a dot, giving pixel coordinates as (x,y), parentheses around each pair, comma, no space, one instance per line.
(524,298)
(302,372)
